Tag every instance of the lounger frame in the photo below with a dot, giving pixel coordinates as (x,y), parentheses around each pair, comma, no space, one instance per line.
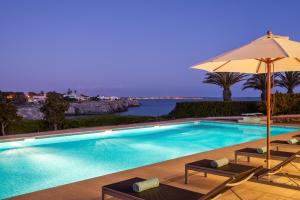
(281,143)
(116,194)
(249,155)
(107,191)
(257,179)
(116,191)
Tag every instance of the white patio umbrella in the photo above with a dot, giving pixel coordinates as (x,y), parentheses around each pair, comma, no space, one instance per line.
(270,53)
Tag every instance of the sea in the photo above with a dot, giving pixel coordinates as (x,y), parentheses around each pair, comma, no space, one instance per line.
(158,107)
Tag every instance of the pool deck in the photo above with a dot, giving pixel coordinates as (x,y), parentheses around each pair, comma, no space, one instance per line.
(170,172)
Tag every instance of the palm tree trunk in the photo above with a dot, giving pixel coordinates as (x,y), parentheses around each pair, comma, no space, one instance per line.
(55,126)
(226,94)
(2,129)
(290,90)
(263,96)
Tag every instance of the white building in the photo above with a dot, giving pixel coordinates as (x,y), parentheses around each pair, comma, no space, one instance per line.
(77,97)
(71,96)
(83,97)
(37,99)
(111,98)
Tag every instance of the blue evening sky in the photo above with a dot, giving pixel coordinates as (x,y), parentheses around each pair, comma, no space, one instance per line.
(130,47)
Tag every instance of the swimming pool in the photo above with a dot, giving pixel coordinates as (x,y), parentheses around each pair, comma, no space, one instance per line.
(35,164)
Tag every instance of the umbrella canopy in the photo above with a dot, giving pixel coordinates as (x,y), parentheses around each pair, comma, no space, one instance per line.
(264,55)
(252,58)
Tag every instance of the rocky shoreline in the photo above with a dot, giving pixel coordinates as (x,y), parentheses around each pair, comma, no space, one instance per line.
(83,108)
(101,107)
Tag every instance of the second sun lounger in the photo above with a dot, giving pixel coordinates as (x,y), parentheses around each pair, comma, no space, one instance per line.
(234,168)
(123,190)
(252,152)
(296,136)
(284,143)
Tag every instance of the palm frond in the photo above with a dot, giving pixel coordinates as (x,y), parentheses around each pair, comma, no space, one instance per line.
(259,81)
(224,79)
(289,80)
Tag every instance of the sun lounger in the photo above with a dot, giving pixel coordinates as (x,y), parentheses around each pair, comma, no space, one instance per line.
(253,120)
(205,166)
(252,152)
(250,120)
(284,143)
(123,189)
(252,114)
(234,168)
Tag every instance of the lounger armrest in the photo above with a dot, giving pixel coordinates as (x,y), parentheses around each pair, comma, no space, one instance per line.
(241,178)
(241,181)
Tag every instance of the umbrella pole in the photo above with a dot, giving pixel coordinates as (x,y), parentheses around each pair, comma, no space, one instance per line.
(268,112)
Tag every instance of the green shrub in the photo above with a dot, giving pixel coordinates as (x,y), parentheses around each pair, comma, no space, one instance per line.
(282,105)
(105,120)
(28,126)
(285,104)
(213,108)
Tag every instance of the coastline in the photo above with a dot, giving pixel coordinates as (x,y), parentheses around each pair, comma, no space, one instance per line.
(101,107)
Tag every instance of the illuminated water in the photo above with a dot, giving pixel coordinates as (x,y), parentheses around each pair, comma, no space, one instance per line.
(32,165)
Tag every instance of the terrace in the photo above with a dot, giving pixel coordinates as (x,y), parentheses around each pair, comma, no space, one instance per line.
(172,172)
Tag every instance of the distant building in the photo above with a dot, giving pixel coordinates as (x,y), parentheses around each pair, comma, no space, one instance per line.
(71,96)
(77,97)
(111,98)
(36,98)
(83,98)
(14,97)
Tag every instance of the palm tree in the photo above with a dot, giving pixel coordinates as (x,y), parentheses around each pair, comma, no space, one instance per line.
(289,80)
(225,80)
(258,82)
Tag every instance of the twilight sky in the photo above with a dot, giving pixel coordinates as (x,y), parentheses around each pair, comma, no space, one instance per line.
(129,47)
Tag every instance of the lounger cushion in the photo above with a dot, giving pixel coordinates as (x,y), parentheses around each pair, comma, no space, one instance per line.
(219,162)
(293,141)
(261,150)
(145,185)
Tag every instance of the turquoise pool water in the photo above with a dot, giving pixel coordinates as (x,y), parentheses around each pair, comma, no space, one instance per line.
(31,165)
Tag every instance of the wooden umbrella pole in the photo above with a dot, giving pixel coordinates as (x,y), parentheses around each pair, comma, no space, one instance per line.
(268,112)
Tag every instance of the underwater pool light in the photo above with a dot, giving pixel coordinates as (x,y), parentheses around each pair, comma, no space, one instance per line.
(29,139)
(108,131)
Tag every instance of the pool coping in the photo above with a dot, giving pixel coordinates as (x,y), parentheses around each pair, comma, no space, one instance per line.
(89,130)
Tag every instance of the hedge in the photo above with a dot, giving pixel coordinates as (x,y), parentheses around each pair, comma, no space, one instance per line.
(28,126)
(213,108)
(282,104)
(106,120)
(286,104)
